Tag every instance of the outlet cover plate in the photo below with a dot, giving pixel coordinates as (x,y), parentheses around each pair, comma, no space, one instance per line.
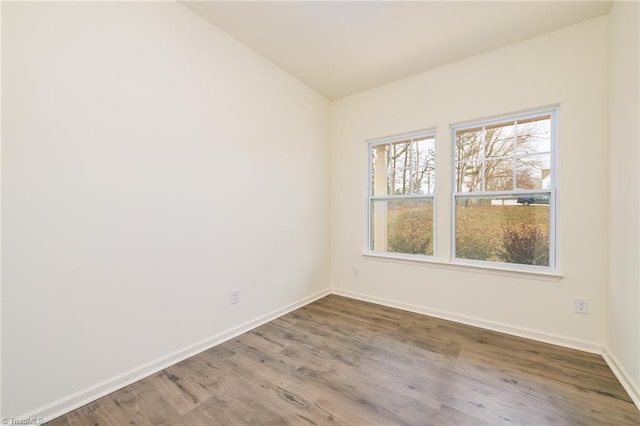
(581,305)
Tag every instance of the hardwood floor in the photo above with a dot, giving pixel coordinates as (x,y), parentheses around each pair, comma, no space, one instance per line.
(341,361)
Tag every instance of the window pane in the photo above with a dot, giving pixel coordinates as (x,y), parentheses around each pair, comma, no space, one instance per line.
(402,226)
(511,229)
(424,173)
(498,175)
(403,168)
(399,165)
(469,144)
(379,182)
(499,140)
(534,172)
(469,176)
(534,135)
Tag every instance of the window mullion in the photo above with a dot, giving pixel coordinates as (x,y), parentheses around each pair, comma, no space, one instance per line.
(483,139)
(514,161)
(411,166)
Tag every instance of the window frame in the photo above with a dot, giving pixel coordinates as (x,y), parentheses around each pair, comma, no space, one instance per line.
(553,112)
(371,198)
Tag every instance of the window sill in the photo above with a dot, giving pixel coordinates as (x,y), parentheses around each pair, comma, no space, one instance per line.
(490,269)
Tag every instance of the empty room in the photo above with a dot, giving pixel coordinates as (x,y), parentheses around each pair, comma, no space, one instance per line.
(319,212)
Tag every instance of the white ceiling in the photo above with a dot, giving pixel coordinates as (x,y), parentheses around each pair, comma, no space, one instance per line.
(341,48)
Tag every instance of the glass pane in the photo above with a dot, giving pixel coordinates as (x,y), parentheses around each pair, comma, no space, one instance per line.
(499,140)
(399,166)
(498,175)
(534,135)
(379,157)
(469,176)
(402,226)
(424,173)
(503,229)
(403,168)
(469,144)
(534,172)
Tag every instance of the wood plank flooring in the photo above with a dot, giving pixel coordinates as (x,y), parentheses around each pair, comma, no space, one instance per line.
(344,362)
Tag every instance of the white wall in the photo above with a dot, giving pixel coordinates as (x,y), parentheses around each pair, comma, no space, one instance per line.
(566,67)
(150,165)
(623,297)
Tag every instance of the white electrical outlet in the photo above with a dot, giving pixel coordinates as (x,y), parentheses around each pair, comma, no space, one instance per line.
(581,305)
(356,271)
(235,296)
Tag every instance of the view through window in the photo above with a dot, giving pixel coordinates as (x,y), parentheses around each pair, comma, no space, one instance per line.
(504,190)
(401,194)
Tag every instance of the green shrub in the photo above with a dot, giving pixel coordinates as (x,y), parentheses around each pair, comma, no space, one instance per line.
(526,245)
(410,232)
(472,246)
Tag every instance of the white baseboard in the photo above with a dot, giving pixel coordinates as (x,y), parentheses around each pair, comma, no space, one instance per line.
(632,388)
(71,402)
(477,322)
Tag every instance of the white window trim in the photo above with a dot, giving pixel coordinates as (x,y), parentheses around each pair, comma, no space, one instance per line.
(496,269)
(369,251)
(553,268)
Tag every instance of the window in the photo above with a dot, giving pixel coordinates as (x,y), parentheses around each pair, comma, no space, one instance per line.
(401,194)
(504,191)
